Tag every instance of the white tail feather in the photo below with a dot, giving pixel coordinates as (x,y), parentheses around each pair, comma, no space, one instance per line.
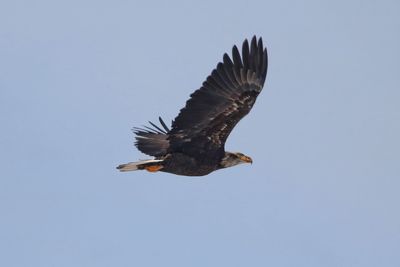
(133,166)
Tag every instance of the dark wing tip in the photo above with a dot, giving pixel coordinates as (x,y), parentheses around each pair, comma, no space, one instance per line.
(245,54)
(155,129)
(227,60)
(251,63)
(163,124)
(236,57)
(260,43)
(264,65)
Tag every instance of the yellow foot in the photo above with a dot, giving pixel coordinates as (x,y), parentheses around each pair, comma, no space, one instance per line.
(154,168)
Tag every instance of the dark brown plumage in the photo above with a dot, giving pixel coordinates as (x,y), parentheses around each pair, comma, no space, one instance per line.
(195,144)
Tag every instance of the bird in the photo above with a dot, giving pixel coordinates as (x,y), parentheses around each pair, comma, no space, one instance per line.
(195,143)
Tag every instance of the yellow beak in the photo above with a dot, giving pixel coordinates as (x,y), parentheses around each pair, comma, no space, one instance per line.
(246,159)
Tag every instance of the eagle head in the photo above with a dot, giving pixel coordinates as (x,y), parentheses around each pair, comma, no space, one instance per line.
(231,159)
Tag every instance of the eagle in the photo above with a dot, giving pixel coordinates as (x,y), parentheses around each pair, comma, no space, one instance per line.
(195,143)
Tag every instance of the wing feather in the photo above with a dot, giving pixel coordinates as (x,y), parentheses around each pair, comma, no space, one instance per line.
(152,141)
(253,58)
(245,55)
(229,70)
(226,96)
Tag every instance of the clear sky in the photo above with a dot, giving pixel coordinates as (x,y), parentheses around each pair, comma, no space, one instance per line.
(76,76)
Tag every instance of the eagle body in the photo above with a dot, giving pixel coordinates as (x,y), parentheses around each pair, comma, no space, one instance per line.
(182,164)
(195,144)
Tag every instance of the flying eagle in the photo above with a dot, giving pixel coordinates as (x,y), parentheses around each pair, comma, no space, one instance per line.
(195,144)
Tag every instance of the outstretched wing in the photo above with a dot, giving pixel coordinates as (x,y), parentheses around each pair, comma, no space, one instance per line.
(152,141)
(226,96)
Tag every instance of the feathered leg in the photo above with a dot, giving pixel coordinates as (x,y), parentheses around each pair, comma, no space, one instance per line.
(151,165)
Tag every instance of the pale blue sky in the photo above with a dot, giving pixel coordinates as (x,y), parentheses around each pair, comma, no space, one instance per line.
(75,76)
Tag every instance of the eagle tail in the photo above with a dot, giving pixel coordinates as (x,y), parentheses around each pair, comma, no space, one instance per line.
(151,165)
